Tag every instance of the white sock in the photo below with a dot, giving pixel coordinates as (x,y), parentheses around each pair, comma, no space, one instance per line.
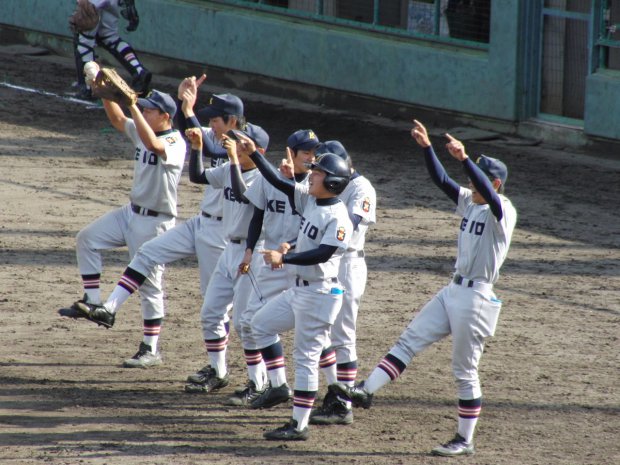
(377,379)
(330,373)
(151,341)
(117,298)
(257,374)
(302,415)
(277,377)
(466,428)
(93,296)
(218,361)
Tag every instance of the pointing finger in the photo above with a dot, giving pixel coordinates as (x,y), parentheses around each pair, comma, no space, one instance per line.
(289,155)
(201,79)
(450,138)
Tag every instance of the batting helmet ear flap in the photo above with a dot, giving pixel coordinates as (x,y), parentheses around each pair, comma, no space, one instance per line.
(337,172)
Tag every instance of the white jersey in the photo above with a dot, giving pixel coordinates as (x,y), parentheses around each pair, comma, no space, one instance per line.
(281,221)
(361,199)
(321,224)
(155,180)
(483,241)
(237,212)
(212,201)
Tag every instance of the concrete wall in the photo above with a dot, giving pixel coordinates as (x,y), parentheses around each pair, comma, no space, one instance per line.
(283,52)
(398,69)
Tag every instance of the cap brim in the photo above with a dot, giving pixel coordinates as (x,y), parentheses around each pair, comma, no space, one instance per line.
(307,145)
(209,112)
(145,103)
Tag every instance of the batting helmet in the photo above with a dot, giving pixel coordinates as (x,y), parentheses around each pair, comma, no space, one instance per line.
(336,170)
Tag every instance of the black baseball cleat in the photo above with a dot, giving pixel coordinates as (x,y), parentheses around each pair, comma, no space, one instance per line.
(208,381)
(95,313)
(72,311)
(272,397)
(334,410)
(456,446)
(358,396)
(141,83)
(288,432)
(245,397)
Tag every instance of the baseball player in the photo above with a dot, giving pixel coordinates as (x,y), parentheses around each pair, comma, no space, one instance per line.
(202,235)
(228,286)
(467,308)
(278,222)
(106,35)
(159,156)
(339,361)
(311,306)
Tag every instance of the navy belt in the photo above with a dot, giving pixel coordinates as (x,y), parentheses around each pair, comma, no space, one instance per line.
(216,218)
(236,241)
(302,282)
(458,279)
(143,211)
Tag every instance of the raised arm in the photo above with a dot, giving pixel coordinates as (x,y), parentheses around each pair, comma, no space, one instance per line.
(433,165)
(196,168)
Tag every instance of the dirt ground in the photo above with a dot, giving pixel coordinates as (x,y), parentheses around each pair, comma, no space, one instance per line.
(550,375)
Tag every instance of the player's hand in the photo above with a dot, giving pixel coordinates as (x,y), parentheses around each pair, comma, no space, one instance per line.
(273,258)
(244,267)
(246,144)
(194,135)
(456,148)
(284,248)
(287,168)
(231,149)
(419,133)
(190,82)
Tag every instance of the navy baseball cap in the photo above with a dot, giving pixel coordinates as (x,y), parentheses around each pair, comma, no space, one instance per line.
(493,168)
(332,146)
(303,139)
(258,135)
(220,105)
(160,101)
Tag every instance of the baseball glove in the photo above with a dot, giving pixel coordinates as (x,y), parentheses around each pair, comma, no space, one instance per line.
(84,18)
(109,85)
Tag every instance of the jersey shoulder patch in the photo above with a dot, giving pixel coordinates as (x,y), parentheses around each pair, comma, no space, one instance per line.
(366,204)
(341,233)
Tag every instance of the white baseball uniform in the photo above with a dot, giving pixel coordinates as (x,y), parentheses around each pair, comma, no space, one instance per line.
(280,224)
(202,235)
(361,199)
(467,308)
(152,211)
(311,306)
(227,286)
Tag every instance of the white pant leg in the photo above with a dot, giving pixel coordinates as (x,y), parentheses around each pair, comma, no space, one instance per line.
(352,275)
(210,244)
(315,311)
(264,285)
(220,292)
(275,317)
(174,244)
(141,230)
(473,317)
(430,325)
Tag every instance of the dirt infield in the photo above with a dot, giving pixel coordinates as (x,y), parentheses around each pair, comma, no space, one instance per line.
(550,375)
